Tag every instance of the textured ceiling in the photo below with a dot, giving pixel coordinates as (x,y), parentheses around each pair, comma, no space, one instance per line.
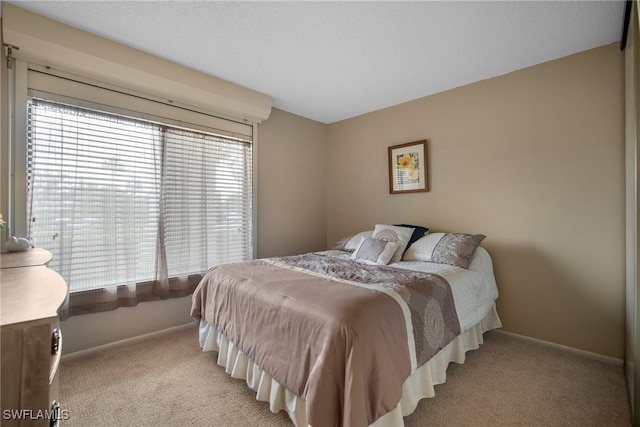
(329,61)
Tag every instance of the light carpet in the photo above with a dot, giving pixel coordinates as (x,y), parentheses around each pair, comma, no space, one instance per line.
(169,381)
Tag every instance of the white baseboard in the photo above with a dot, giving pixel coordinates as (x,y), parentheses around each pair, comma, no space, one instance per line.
(128,341)
(583,353)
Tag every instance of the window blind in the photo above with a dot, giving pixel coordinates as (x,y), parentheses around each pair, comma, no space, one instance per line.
(121,201)
(207,203)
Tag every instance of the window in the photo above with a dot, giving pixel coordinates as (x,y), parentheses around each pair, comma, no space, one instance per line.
(122,202)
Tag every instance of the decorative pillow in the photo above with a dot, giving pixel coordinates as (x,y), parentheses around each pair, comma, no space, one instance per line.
(374,251)
(418,232)
(393,233)
(445,248)
(349,243)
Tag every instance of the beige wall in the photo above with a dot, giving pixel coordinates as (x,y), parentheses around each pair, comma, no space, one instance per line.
(292,173)
(93,330)
(534,160)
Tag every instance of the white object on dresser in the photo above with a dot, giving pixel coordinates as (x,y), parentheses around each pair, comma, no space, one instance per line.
(18,244)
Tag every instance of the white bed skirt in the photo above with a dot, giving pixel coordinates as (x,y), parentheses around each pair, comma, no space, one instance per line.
(418,386)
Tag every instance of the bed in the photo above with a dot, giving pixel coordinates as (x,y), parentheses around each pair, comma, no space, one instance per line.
(355,335)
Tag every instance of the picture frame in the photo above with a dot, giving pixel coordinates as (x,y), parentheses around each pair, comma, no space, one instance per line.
(408,167)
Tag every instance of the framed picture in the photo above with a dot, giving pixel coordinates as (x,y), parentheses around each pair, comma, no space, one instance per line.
(408,167)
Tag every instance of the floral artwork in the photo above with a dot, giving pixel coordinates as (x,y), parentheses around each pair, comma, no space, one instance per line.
(407,167)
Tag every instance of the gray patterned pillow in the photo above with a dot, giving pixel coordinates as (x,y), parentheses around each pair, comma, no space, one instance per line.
(349,243)
(374,251)
(445,248)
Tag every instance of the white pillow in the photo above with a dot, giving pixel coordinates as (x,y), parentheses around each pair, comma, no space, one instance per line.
(374,251)
(392,233)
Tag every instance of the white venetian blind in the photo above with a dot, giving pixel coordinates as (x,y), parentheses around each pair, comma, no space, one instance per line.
(119,200)
(207,203)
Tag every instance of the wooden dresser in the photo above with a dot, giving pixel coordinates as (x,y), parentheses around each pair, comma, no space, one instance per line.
(31,343)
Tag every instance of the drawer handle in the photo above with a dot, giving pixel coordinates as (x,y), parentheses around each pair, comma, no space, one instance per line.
(56,350)
(55,341)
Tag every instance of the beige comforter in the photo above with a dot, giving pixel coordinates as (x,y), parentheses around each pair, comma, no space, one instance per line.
(333,331)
